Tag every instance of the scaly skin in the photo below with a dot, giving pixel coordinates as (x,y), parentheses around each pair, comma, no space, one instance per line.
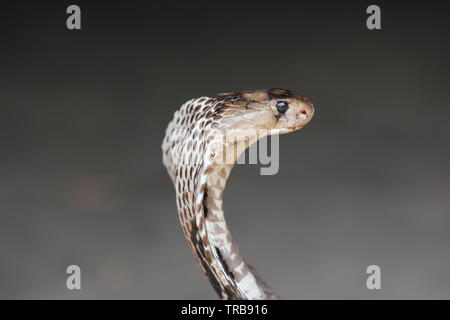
(202,143)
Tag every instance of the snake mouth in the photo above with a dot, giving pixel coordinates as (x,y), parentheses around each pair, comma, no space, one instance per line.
(285,130)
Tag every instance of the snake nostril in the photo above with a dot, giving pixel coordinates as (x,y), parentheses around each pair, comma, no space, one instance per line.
(303,114)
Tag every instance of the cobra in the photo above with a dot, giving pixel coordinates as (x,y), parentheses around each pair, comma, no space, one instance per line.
(200,148)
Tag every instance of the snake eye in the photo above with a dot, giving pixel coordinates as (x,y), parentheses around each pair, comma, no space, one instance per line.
(282,107)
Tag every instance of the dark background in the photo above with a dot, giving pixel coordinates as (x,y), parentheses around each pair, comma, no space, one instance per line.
(83,115)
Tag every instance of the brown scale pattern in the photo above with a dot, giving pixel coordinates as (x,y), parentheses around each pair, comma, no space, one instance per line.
(186,135)
(191,147)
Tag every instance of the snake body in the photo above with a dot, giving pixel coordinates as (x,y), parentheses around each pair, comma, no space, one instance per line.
(201,145)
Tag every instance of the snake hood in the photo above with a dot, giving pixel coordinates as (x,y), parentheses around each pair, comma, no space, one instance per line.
(197,146)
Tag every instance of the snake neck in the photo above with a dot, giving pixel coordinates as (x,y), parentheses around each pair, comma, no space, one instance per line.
(191,149)
(216,252)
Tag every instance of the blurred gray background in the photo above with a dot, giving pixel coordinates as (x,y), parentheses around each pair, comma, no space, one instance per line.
(83,115)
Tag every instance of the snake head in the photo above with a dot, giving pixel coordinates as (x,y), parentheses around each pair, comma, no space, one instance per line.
(291,110)
(245,117)
(278,111)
